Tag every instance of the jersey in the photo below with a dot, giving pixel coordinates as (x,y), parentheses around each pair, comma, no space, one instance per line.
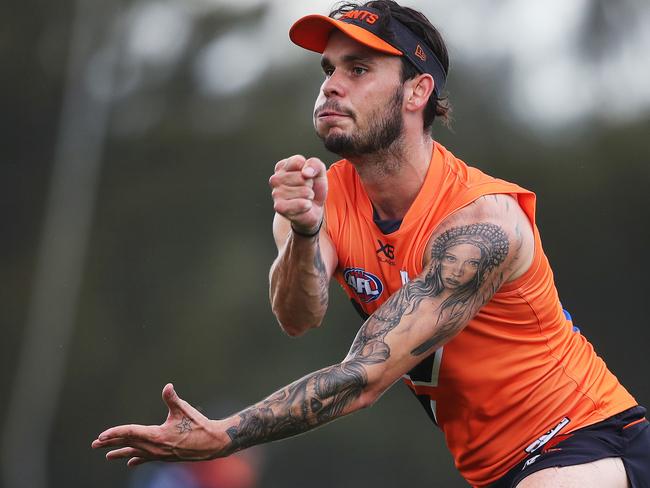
(517,374)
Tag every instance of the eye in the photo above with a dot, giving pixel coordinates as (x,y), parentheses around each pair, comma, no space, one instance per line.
(473,264)
(450,258)
(328,70)
(359,70)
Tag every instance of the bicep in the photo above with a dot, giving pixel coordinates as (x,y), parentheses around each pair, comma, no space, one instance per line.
(471,256)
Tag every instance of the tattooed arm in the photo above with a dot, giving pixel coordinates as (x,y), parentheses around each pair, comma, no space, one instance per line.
(300,278)
(468,258)
(301,273)
(187,435)
(471,255)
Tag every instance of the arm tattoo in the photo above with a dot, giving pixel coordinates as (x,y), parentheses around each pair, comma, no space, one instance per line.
(462,260)
(305,404)
(323,282)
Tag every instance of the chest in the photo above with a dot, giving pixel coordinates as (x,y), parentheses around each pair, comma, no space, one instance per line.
(373,265)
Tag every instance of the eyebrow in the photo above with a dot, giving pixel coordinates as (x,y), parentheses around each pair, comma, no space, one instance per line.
(348,58)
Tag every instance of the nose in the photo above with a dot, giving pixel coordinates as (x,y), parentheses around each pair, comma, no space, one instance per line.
(458,270)
(333,86)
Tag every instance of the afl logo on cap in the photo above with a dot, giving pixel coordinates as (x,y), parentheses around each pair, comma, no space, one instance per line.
(366,285)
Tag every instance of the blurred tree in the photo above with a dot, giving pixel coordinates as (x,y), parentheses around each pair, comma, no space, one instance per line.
(175,283)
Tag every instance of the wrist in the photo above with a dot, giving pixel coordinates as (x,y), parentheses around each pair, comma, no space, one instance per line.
(222,443)
(309,233)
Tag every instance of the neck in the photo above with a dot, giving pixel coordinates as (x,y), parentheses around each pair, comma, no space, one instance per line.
(393,177)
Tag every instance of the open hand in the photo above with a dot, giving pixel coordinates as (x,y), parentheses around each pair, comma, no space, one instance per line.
(186,435)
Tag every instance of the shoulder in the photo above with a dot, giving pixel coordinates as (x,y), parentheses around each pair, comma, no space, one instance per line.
(342,186)
(339,168)
(498,206)
(340,178)
(494,226)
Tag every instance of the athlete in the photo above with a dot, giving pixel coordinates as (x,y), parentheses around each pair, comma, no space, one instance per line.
(445,264)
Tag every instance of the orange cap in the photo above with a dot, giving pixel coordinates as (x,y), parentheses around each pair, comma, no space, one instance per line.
(363,25)
(313,31)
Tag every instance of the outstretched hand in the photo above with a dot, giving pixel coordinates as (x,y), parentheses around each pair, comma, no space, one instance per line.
(186,435)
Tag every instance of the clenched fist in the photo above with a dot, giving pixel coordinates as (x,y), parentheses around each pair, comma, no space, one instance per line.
(299,190)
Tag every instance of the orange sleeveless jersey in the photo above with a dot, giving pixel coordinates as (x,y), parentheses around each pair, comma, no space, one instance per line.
(517,373)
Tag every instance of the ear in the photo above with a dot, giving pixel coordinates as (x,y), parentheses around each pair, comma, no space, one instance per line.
(418,91)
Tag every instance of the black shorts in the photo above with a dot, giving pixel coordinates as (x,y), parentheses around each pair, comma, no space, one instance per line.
(625,435)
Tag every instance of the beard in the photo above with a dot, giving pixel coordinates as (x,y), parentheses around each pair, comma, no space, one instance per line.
(385,127)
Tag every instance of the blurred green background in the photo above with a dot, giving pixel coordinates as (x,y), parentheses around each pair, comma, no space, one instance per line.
(135,216)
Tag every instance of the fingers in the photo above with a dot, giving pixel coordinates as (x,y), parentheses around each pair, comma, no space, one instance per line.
(316,168)
(171,399)
(126,452)
(297,184)
(291,208)
(288,172)
(147,448)
(294,163)
(177,406)
(288,179)
(114,442)
(126,432)
(292,193)
(133,462)
(297,170)
(136,456)
(139,442)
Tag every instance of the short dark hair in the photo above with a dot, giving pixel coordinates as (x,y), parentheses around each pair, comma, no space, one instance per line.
(420,25)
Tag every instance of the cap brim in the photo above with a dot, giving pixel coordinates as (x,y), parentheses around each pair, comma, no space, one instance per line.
(313,31)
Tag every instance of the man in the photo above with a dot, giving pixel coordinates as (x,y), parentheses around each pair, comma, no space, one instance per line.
(444,261)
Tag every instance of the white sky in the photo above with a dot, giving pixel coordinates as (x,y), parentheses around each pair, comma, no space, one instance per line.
(550,83)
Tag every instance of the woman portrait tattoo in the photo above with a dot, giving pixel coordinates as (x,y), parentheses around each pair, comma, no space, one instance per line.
(462,258)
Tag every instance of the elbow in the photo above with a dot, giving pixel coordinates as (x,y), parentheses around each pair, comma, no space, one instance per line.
(295,316)
(293,330)
(296,328)
(295,322)
(376,385)
(367,399)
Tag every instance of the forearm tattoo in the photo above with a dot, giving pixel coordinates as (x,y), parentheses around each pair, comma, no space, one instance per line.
(305,404)
(462,276)
(323,280)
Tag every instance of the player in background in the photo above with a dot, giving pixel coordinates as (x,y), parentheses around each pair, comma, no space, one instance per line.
(445,262)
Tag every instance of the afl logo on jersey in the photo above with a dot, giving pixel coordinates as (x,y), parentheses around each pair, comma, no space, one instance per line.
(366,285)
